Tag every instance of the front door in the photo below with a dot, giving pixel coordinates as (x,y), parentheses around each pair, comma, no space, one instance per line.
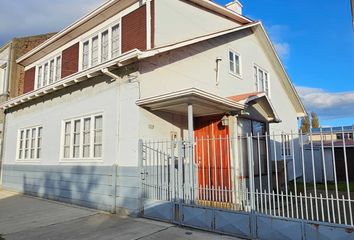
(213,159)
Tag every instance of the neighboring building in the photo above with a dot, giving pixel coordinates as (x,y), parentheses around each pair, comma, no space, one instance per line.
(11,73)
(134,70)
(328,145)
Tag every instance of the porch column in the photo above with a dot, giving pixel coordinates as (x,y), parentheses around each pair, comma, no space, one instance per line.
(191,154)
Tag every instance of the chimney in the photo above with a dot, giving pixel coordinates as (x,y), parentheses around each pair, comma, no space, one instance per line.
(235,6)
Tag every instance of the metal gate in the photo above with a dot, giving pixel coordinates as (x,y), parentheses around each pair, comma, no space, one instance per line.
(268,189)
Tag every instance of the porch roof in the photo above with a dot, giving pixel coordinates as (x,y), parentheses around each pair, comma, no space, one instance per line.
(204,103)
(258,98)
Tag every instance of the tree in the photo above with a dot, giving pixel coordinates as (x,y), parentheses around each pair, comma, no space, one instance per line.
(315,122)
(305,124)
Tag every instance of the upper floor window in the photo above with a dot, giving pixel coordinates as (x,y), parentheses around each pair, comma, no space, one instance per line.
(3,78)
(29,143)
(48,72)
(262,80)
(101,47)
(234,61)
(82,138)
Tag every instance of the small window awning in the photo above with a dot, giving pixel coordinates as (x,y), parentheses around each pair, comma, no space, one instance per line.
(204,103)
(260,98)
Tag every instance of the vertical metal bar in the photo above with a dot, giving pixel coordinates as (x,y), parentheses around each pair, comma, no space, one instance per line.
(242,185)
(335,177)
(276,169)
(215,173)
(347,178)
(344,211)
(203,166)
(260,170)
(180,171)
(268,171)
(294,172)
(321,201)
(284,136)
(314,174)
(303,174)
(301,206)
(325,175)
(250,169)
(221,169)
(172,171)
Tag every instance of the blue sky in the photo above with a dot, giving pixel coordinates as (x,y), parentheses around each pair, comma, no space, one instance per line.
(314,38)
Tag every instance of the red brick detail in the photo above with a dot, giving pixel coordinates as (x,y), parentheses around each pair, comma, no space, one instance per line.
(134,30)
(152,4)
(29,80)
(70,61)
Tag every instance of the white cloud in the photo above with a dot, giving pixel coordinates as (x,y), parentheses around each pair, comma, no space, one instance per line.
(277,33)
(20,18)
(327,105)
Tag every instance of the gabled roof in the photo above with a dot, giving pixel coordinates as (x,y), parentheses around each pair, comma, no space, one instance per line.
(102,13)
(260,98)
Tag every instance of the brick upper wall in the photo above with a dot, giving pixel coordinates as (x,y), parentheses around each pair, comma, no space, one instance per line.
(134,30)
(70,61)
(29,77)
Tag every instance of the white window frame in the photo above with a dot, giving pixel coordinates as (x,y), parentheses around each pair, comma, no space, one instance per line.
(39,83)
(235,53)
(99,35)
(22,147)
(287,143)
(266,84)
(79,159)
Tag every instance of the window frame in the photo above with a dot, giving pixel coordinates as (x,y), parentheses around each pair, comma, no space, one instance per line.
(286,142)
(266,81)
(81,158)
(235,53)
(99,35)
(45,75)
(21,144)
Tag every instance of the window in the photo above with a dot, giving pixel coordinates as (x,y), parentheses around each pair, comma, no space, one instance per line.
(104,46)
(94,51)
(82,138)
(101,47)
(285,145)
(85,55)
(115,41)
(234,60)
(262,80)
(3,78)
(58,69)
(29,143)
(48,72)
(347,136)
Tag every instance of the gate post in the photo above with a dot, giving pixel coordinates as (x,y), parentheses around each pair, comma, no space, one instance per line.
(142,175)
(253,226)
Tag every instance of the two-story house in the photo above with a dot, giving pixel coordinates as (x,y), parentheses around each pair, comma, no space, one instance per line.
(130,70)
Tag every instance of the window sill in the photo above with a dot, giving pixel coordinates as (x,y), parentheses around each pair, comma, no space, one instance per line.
(68,161)
(28,161)
(239,76)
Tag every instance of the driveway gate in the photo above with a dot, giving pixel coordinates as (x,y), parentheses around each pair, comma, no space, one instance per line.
(250,186)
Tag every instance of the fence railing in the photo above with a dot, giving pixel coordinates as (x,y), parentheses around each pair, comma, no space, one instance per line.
(302,176)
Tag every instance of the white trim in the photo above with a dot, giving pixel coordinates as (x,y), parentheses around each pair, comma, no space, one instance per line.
(148,24)
(265,72)
(30,138)
(80,158)
(235,53)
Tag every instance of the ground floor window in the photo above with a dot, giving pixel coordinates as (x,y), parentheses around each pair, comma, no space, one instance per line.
(29,143)
(82,137)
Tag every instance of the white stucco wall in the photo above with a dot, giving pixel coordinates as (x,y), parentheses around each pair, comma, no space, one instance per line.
(194,66)
(177,20)
(101,98)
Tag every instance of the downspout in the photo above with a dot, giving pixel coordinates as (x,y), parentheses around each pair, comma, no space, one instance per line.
(115,165)
(218,60)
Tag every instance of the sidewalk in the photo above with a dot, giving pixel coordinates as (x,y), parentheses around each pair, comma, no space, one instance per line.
(23,217)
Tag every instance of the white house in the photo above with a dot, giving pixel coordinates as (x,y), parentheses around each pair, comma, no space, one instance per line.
(130,70)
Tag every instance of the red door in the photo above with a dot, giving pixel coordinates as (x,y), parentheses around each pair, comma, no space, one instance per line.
(213,158)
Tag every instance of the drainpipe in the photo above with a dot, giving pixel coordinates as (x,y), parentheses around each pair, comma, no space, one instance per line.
(115,165)
(218,60)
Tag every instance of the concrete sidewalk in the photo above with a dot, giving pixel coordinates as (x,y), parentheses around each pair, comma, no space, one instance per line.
(23,217)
